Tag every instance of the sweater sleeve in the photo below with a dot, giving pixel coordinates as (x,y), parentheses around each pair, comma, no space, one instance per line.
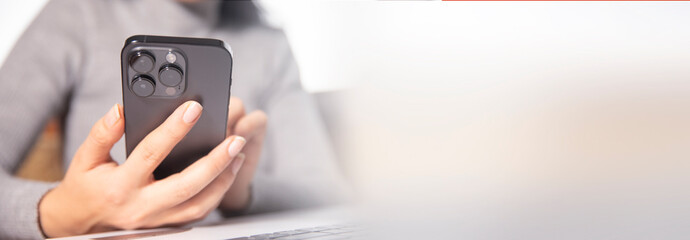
(35,81)
(298,166)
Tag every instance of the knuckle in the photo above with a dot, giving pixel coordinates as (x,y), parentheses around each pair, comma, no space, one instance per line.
(243,127)
(184,191)
(255,120)
(115,196)
(98,138)
(149,155)
(261,115)
(238,103)
(262,119)
(247,128)
(240,107)
(237,107)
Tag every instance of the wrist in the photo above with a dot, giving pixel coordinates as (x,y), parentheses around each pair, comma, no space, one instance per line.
(57,218)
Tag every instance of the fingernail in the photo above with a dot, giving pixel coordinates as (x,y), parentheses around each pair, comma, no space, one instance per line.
(236,146)
(112,116)
(237,164)
(192,113)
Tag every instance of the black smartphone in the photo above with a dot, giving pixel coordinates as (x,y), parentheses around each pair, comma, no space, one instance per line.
(159,73)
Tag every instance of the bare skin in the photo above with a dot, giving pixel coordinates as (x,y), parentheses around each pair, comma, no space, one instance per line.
(97,194)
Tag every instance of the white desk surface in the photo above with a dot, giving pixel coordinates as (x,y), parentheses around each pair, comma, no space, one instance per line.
(235,227)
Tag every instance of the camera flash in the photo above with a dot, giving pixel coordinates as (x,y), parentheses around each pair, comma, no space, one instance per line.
(170,91)
(171,57)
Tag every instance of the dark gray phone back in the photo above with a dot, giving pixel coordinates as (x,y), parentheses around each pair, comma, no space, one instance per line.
(151,92)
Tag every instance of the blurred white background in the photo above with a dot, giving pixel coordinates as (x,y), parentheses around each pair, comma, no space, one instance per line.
(14,17)
(524,120)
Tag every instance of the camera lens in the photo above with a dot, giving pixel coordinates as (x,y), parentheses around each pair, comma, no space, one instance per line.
(143,86)
(141,62)
(170,75)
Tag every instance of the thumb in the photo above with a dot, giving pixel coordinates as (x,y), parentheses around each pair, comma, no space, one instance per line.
(104,134)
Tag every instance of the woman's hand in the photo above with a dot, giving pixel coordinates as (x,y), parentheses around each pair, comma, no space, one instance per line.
(252,127)
(97,194)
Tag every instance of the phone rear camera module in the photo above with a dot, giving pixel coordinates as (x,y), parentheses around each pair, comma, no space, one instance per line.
(143,86)
(142,62)
(170,75)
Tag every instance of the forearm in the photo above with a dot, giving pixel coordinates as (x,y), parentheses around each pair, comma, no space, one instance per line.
(19,209)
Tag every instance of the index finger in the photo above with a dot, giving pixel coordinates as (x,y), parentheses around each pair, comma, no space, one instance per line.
(151,151)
